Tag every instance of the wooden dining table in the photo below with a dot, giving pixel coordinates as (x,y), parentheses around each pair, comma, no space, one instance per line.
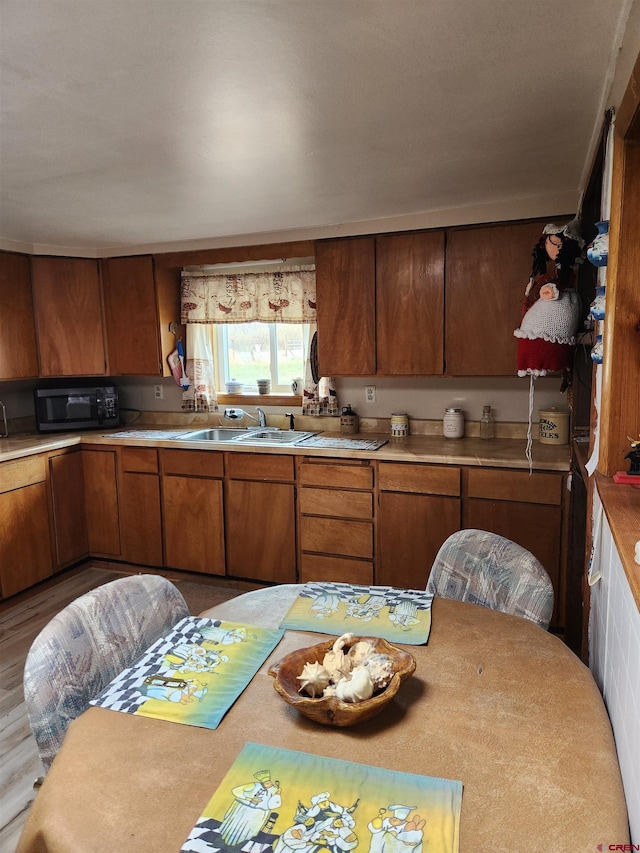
(495,702)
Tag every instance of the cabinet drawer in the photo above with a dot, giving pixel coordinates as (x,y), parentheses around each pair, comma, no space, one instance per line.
(192,463)
(335,502)
(259,466)
(422,479)
(331,536)
(142,460)
(501,485)
(315,567)
(22,472)
(340,476)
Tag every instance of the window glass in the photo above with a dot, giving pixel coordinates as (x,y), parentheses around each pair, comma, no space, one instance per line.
(251,351)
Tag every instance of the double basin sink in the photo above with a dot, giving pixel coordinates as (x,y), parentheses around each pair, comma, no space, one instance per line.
(252,435)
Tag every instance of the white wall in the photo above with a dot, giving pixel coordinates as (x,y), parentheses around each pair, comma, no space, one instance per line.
(614,659)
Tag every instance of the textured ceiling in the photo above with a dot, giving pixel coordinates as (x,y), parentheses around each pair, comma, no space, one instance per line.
(138,123)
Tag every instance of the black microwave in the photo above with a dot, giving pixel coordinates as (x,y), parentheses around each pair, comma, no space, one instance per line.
(69,408)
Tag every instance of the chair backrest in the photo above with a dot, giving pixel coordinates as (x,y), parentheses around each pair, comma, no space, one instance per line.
(87,644)
(487,569)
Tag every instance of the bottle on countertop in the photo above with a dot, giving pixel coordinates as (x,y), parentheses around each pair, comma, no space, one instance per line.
(349,424)
(487,424)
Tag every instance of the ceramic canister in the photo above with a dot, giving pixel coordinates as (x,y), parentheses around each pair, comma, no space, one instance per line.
(349,424)
(399,424)
(554,426)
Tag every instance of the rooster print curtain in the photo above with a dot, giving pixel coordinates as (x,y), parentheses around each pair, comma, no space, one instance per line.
(286,295)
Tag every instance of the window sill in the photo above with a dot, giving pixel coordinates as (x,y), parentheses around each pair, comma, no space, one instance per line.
(260,399)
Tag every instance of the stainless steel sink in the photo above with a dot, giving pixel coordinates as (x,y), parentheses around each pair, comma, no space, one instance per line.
(252,435)
(215,434)
(278,437)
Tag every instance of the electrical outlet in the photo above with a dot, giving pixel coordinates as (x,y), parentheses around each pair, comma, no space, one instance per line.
(158,392)
(370,393)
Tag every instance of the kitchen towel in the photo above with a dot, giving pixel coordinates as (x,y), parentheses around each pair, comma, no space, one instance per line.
(397,615)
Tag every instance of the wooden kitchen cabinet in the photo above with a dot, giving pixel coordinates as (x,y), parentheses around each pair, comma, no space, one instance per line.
(336,520)
(139,505)
(100,471)
(380,304)
(131,316)
(487,271)
(345,298)
(528,509)
(259,515)
(67,500)
(68,313)
(25,534)
(192,510)
(410,304)
(18,351)
(419,507)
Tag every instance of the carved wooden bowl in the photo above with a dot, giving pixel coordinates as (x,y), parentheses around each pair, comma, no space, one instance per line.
(332,711)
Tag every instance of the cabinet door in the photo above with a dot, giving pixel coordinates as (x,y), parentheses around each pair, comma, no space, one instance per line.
(25,545)
(131,316)
(140,525)
(193,524)
(487,271)
(67,495)
(535,527)
(345,294)
(18,354)
(410,304)
(260,531)
(68,314)
(101,502)
(411,529)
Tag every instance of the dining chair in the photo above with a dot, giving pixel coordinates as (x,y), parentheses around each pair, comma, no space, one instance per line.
(87,644)
(487,569)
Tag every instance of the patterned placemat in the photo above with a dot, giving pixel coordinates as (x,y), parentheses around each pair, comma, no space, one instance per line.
(397,615)
(160,434)
(282,801)
(194,674)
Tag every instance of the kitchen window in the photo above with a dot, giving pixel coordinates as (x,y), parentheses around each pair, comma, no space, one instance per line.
(246,352)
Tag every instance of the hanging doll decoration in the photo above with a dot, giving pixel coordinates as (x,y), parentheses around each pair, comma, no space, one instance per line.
(551,305)
(550,310)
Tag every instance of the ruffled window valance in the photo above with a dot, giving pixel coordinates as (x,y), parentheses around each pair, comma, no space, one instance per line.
(283,295)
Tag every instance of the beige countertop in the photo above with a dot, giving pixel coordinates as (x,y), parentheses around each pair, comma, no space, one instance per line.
(433,449)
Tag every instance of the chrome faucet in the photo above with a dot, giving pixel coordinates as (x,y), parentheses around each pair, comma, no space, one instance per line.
(237,414)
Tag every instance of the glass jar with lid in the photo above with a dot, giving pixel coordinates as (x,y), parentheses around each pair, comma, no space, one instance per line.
(453,423)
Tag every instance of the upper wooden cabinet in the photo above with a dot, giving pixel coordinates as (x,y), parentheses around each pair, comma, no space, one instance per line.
(68,313)
(381,305)
(410,304)
(487,271)
(345,295)
(18,353)
(131,316)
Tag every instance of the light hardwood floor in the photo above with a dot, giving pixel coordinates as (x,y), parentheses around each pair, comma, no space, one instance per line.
(21,619)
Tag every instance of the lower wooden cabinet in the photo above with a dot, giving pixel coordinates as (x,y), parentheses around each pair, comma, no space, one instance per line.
(25,535)
(192,510)
(100,469)
(528,509)
(336,520)
(139,499)
(419,507)
(259,517)
(67,498)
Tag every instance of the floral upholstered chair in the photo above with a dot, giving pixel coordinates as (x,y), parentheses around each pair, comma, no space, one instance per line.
(487,569)
(87,644)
